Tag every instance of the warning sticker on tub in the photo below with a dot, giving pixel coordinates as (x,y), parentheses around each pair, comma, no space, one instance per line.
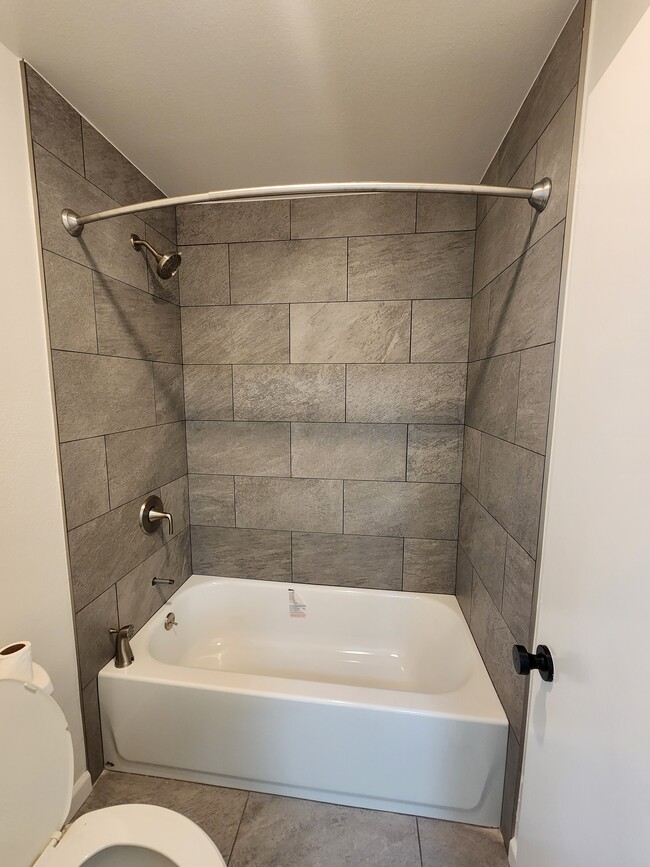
(297,607)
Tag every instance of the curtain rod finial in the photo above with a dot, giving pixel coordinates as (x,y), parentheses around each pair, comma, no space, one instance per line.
(71,222)
(541,194)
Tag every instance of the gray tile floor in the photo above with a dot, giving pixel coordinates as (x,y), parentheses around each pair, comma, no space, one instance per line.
(254,830)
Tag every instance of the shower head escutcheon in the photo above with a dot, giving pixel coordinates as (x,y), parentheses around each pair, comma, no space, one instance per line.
(167,264)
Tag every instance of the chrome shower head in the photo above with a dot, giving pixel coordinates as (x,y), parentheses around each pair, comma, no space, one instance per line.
(167,264)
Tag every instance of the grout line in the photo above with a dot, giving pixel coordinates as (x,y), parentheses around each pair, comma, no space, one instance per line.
(347,269)
(229,280)
(284,531)
(390,298)
(241,819)
(417,829)
(322,237)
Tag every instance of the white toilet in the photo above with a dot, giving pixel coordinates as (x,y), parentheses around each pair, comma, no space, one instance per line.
(36,774)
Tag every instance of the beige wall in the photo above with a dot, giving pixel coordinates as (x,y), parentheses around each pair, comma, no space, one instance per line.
(35,602)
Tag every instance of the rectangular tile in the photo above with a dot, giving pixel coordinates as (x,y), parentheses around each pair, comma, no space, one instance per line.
(348,561)
(442,212)
(437,265)
(168,289)
(278,832)
(435,453)
(85,480)
(495,641)
(70,304)
(239,447)
(289,392)
(250,334)
(208,392)
(440,330)
(413,509)
(216,810)
(261,554)
(366,331)
(555,81)
(471,459)
(464,578)
(137,598)
(534,397)
(310,505)
(54,123)
(448,844)
(204,275)
(348,451)
(284,271)
(139,461)
(484,542)
(95,644)
(554,150)
(505,233)
(517,608)
(106,548)
(492,386)
(233,221)
(338,216)
(168,388)
(97,395)
(134,324)
(115,175)
(429,565)
(524,299)
(104,246)
(510,487)
(426,393)
(212,500)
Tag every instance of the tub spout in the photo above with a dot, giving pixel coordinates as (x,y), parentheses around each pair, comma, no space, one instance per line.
(123,653)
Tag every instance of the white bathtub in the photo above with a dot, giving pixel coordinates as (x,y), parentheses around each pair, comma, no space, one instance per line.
(373,699)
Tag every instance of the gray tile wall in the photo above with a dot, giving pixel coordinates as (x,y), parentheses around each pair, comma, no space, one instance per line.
(512,337)
(116,356)
(325,349)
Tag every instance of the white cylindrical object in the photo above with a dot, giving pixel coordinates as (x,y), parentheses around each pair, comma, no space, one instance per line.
(16,661)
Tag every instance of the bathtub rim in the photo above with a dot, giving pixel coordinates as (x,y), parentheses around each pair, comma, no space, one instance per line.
(475,701)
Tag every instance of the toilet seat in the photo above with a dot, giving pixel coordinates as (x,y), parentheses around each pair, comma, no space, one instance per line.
(36,769)
(155,829)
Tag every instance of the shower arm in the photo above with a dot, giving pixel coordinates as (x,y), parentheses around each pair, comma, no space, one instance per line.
(537,197)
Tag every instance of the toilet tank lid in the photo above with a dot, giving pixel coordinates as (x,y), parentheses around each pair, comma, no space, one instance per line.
(36,771)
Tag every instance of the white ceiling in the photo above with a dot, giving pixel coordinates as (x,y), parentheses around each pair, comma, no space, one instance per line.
(208,94)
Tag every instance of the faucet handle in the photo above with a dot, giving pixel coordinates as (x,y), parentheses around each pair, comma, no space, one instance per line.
(151,513)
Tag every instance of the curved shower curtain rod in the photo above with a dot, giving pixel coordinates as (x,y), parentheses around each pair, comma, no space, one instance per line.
(537,197)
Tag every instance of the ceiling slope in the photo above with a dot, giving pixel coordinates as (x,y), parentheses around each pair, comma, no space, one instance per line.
(205,95)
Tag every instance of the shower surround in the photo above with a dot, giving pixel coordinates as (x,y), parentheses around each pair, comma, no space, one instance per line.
(325,352)
(299,392)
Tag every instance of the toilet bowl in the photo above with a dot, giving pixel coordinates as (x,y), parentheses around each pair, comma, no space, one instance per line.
(36,776)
